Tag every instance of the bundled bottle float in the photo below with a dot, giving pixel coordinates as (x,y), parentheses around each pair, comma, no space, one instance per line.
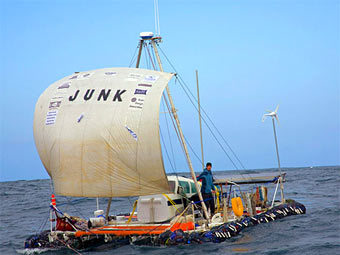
(97,135)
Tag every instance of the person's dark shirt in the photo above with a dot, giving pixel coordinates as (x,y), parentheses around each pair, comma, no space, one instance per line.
(207,181)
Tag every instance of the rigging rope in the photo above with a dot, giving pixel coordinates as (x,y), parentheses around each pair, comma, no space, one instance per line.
(198,158)
(166,151)
(181,81)
(76,208)
(225,141)
(172,202)
(153,65)
(173,122)
(153,55)
(212,133)
(146,58)
(167,125)
(43,224)
(177,131)
(133,57)
(191,97)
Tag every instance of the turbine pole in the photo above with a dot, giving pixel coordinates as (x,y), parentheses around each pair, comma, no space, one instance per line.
(278,162)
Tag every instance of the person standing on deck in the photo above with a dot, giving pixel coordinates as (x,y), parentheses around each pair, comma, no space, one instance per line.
(208,188)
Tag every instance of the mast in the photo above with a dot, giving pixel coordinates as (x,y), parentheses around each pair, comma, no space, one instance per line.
(108,209)
(139,52)
(174,112)
(199,117)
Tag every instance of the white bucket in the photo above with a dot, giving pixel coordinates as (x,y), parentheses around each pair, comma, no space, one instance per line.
(98,213)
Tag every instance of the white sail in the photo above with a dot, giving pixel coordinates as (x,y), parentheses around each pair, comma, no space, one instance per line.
(97,133)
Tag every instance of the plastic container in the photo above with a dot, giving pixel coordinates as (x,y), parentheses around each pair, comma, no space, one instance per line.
(99,213)
(97,222)
(120,218)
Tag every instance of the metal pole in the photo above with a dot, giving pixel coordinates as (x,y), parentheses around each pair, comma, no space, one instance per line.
(205,211)
(278,161)
(108,209)
(277,185)
(97,203)
(139,52)
(193,213)
(199,117)
(229,195)
(225,210)
(51,220)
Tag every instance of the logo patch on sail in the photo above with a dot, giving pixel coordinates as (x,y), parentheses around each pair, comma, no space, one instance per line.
(144,85)
(54,104)
(65,85)
(81,76)
(131,132)
(136,103)
(51,117)
(150,78)
(73,77)
(111,73)
(84,76)
(133,77)
(140,91)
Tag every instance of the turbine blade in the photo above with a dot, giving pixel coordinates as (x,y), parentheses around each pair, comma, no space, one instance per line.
(277,119)
(269,111)
(263,117)
(277,108)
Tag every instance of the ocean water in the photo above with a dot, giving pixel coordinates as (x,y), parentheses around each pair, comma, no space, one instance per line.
(24,211)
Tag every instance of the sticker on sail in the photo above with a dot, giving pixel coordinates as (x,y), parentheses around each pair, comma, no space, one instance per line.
(140,91)
(81,116)
(73,77)
(65,85)
(144,85)
(131,132)
(151,78)
(57,97)
(136,103)
(54,104)
(134,77)
(84,76)
(111,73)
(51,117)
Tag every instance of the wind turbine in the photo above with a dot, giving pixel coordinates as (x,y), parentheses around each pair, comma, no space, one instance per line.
(274,116)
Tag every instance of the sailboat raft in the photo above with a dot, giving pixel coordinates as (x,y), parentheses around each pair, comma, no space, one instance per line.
(181,233)
(98,135)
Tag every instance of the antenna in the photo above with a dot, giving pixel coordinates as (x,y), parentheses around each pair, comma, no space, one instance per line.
(200,117)
(157,26)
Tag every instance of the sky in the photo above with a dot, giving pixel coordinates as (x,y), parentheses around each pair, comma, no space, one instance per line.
(251,56)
